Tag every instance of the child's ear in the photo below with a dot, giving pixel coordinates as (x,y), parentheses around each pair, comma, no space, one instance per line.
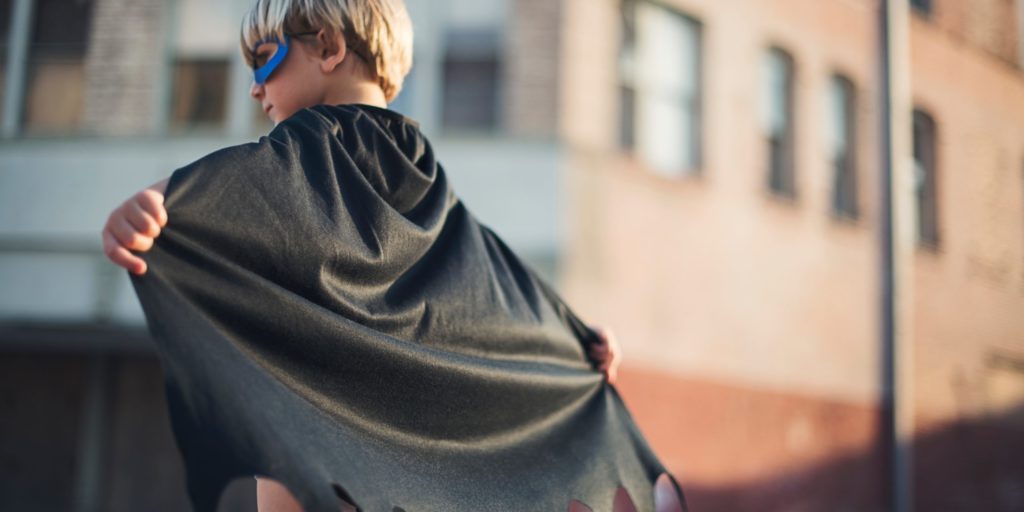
(332,50)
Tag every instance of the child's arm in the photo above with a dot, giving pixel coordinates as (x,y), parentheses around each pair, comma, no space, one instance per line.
(134,225)
(607,354)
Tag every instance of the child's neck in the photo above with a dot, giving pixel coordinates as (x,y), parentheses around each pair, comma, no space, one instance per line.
(367,93)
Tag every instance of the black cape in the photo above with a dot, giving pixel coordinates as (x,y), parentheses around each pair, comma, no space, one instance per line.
(329,314)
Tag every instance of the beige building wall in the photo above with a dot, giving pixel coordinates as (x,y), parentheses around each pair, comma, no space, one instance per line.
(750,322)
(706,257)
(970,293)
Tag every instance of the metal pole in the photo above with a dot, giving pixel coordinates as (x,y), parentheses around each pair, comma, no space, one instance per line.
(898,243)
(91,470)
(17,58)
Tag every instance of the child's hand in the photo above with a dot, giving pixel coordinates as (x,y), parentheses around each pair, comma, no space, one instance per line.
(607,354)
(134,225)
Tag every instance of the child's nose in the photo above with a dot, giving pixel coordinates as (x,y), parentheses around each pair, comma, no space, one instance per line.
(256,90)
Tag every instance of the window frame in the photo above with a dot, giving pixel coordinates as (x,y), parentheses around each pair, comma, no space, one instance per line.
(177,126)
(488,52)
(928,229)
(781,171)
(845,176)
(66,53)
(691,104)
(922,7)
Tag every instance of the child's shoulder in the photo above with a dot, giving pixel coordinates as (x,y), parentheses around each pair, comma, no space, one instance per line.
(352,116)
(360,129)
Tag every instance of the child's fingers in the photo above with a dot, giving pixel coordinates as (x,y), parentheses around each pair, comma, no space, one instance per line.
(121,256)
(600,350)
(606,354)
(127,236)
(142,221)
(152,202)
(599,355)
(612,345)
(609,374)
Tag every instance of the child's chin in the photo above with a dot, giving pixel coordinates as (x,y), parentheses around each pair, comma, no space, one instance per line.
(276,116)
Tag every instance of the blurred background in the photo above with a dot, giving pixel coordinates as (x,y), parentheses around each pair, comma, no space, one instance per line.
(703,176)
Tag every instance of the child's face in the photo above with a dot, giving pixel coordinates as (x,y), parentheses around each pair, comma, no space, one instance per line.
(295,83)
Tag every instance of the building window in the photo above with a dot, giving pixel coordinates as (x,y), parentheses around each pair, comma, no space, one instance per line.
(842,146)
(922,6)
(204,42)
(660,102)
(926,183)
(471,76)
(55,73)
(200,93)
(778,122)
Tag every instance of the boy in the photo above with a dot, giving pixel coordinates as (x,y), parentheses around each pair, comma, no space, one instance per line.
(326,72)
(304,54)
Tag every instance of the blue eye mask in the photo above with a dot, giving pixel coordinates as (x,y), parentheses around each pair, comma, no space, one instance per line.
(262,73)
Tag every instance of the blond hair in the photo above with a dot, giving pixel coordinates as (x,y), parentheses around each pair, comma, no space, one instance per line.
(379,31)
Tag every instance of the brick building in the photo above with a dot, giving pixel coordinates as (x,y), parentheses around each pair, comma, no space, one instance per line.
(700,175)
(724,190)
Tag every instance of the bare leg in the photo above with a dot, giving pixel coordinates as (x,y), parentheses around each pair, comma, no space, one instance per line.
(273,496)
(665,497)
